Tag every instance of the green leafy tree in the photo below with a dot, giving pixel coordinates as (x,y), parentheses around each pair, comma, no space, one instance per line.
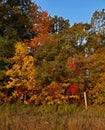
(6,52)
(14,22)
(16,2)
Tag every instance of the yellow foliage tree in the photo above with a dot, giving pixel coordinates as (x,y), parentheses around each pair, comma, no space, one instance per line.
(96,65)
(22,73)
(99,90)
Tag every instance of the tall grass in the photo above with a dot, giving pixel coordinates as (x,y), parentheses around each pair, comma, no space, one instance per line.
(51,117)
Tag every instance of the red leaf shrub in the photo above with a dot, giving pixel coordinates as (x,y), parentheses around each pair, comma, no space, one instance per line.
(73,89)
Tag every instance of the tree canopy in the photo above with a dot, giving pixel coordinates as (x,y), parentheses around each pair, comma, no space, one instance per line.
(44,60)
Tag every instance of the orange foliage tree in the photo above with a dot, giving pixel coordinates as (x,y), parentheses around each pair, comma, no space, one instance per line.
(40,22)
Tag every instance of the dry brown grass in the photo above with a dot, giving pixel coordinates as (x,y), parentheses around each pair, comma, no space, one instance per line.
(32,118)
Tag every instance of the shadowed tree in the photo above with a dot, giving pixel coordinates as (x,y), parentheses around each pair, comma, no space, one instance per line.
(58,24)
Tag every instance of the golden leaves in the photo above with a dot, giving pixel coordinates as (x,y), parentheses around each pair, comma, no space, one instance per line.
(23,70)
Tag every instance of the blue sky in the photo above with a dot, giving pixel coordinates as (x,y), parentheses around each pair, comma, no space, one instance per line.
(74,10)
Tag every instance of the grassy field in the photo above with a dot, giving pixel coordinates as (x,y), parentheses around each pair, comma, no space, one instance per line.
(51,117)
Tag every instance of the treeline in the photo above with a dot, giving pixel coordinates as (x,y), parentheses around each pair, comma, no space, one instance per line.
(44,60)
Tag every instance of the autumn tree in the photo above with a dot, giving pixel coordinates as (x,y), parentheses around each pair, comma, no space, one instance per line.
(40,22)
(98,25)
(95,63)
(21,75)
